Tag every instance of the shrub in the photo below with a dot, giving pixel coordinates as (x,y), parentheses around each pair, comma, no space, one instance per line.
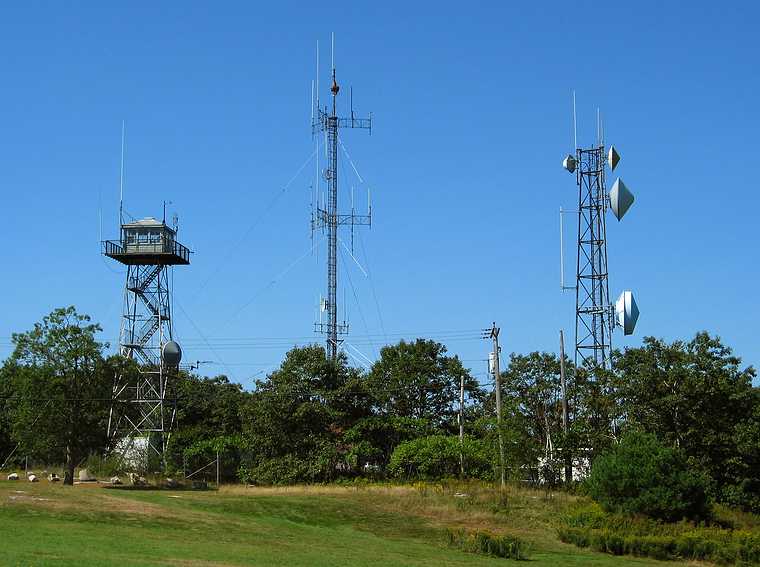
(437,456)
(105,466)
(622,535)
(323,463)
(744,495)
(641,476)
(485,543)
(284,470)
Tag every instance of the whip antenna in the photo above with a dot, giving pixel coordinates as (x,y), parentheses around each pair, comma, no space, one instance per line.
(121,176)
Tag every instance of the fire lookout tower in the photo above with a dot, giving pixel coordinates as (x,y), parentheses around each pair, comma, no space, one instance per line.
(143,409)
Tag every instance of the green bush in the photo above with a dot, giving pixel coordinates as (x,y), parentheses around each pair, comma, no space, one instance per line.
(623,535)
(109,466)
(285,470)
(641,476)
(744,495)
(488,544)
(319,465)
(727,550)
(437,456)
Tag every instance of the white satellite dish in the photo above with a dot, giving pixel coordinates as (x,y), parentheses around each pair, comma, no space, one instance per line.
(569,163)
(621,199)
(627,312)
(613,158)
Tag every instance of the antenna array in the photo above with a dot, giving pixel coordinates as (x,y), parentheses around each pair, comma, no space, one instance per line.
(595,316)
(325,215)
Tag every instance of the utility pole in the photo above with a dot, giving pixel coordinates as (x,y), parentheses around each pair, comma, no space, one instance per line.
(565,427)
(493,334)
(461,424)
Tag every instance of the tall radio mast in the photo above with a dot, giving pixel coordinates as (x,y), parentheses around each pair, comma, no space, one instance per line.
(326,215)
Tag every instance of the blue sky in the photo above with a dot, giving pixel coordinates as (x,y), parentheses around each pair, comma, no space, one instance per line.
(471,108)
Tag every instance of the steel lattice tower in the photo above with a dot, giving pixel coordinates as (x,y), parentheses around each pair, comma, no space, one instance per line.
(327,217)
(594,321)
(595,316)
(144,407)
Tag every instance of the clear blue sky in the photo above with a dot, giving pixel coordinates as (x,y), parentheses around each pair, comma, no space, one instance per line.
(471,103)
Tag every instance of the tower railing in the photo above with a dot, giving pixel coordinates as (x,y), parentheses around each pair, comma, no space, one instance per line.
(121,248)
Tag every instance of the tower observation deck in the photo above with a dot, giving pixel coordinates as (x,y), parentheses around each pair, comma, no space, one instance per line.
(147,242)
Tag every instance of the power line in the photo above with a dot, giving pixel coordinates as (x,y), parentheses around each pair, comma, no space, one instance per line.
(200,333)
(474,332)
(356,299)
(372,285)
(290,389)
(271,283)
(232,249)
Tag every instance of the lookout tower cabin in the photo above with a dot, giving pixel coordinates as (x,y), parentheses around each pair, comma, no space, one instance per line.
(147,242)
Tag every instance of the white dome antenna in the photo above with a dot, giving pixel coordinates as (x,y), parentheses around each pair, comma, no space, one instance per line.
(621,199)
(626,312)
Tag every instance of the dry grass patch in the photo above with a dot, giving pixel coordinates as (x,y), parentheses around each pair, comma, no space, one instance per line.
(89,499)
(471,506)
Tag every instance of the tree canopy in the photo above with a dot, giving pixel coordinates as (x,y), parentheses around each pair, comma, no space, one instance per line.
(62,386)
(315,420)
(418,380)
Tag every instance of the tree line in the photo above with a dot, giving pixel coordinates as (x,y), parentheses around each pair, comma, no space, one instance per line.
(312,420)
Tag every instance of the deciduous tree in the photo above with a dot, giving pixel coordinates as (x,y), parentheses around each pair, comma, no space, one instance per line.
(62,387)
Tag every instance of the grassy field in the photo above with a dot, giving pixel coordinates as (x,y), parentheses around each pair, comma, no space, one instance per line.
(50,524)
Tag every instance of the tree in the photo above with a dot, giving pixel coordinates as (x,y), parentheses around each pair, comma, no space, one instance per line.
(6,394)
(743,469)
(63,388)
(596,411)
(437,456)
(373,439)
(640,475)
(208,419)
(294,421)
(418,380)
(692,395)
(532,408)
(532,414)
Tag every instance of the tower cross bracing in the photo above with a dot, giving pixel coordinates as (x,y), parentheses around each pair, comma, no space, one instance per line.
(327,217)
(594,321)
(142,405)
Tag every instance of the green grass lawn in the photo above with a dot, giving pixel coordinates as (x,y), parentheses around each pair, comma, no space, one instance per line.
(50,524)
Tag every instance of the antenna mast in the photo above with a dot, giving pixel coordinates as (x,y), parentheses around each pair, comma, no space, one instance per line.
(595,316)
(593,321)
(326,215)
(121,176)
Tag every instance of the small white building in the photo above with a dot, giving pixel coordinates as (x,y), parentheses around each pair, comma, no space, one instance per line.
(581,469)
